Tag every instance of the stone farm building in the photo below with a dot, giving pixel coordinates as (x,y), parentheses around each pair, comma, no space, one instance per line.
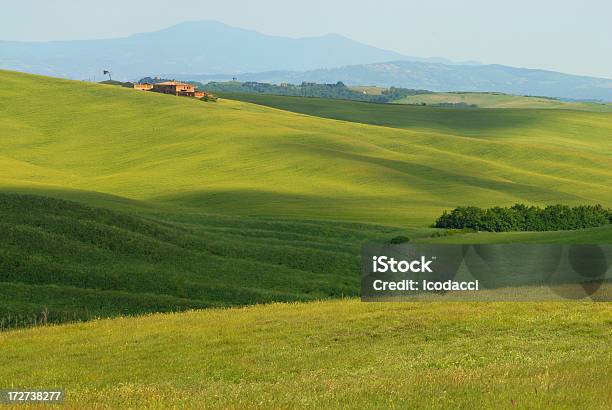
(173,88)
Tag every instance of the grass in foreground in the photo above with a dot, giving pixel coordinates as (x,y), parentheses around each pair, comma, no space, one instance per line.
(328,354)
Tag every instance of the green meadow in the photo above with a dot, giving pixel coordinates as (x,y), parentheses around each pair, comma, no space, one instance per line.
(116,202)
(335,354)
(235,158)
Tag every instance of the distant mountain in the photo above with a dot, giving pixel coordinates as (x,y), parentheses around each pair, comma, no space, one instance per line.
(192,48)
(443,77)
(199,50)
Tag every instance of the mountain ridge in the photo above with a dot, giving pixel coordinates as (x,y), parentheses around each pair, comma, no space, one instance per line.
(182,46)
(209,47)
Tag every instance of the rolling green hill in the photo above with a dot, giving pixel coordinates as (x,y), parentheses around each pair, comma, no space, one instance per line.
(235,158)
(499,100)
(338,354)
(62,261)
(120,202)
(481,123)
(184,197)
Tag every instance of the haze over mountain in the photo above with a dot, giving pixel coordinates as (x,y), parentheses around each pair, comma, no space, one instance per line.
(203,47)
(213,50)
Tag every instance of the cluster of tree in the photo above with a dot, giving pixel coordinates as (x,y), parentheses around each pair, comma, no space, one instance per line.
(521,217)
(447,105)
(122,84)
(209,98)
(453,105)
(396,93)
(337,91)
(153,80)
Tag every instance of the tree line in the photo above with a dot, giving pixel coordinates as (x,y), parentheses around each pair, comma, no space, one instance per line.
(338,91)
(520,217)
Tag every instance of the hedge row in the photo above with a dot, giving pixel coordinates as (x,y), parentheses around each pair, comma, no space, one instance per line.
(521,217)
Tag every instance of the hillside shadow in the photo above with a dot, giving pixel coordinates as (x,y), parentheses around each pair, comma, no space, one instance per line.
(468,121)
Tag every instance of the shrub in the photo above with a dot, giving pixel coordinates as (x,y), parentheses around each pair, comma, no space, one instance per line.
(521,217)
(399,239)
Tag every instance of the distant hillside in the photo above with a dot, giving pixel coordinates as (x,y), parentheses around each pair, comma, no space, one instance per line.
(211,51)
(498,100)
(397,95)
(444,77)
(192,48)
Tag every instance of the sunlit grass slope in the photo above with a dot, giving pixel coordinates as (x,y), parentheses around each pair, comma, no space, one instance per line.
(499,100)
(344,354)
(243,159)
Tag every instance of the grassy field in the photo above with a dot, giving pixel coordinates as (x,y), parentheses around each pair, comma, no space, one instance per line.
(235,158)
(62,261)
(466,122)
(198,193)
(339,354)
(499,100)
(371,90)
(117,202)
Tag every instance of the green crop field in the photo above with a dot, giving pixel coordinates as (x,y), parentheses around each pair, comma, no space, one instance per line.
(116,202)
(499,100)
(77,262)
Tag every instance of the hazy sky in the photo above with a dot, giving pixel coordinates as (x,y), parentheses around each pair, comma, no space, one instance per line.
(573,36)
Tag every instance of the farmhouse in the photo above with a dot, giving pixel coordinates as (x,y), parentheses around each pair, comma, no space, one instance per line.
(173,88)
